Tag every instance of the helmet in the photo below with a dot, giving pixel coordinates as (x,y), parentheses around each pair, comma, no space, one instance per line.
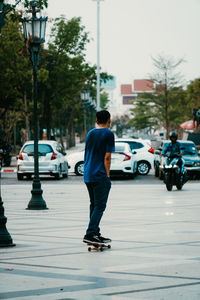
(173,134)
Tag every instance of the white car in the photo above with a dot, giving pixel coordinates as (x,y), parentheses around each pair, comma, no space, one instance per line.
(143,153)
(122,161)
(52,160)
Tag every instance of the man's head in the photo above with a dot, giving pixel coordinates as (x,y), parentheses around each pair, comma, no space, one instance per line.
(173,136)
(103,118)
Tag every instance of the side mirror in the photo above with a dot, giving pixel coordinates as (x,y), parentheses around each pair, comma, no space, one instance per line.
(17,157)
(133,151)
(157,152)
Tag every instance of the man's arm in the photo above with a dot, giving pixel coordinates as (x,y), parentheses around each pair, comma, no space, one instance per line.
(107,162)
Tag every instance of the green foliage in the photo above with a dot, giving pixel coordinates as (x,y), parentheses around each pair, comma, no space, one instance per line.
(166,106)
(193,94)
(14,64)
(144,114)
(41,3)
(119,124)
(104,100)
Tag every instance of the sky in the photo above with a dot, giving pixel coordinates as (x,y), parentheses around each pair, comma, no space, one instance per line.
(134,31)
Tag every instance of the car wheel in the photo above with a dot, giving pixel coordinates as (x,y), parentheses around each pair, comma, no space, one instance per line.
(58,175)
(79,168)
(143,167)
(65,175)
(20,176)
(29,176)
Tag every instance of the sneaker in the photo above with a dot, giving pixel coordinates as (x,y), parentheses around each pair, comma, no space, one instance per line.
(104,240)
(92,239)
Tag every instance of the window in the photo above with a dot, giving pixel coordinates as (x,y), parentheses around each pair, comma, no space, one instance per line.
(43,149)
(135,145)
(119,148)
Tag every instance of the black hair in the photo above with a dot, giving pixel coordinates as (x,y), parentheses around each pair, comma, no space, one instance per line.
(103,116)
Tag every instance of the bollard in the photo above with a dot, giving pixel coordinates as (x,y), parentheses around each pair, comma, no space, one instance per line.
(5,237)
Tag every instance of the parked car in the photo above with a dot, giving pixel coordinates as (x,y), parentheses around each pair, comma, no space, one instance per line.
(52,160)
(76,162)
(143,154)
(190,155)
(122,161)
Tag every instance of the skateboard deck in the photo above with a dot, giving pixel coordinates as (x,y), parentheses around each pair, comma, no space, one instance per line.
(97,246)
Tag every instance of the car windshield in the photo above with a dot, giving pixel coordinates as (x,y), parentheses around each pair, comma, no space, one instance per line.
(43,149)
(188,149)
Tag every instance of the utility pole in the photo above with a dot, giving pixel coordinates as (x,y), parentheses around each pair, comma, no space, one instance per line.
(98,54)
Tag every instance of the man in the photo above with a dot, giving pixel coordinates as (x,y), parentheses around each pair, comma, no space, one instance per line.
(99,145)
(173,148)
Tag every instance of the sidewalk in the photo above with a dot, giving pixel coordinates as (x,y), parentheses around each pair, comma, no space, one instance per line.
(154,254)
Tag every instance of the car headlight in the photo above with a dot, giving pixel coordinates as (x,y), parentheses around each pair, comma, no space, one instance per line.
(197,164)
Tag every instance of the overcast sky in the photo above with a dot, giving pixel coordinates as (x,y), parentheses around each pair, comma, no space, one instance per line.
(134,30)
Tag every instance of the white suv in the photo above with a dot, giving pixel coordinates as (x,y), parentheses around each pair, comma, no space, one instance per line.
(143,154)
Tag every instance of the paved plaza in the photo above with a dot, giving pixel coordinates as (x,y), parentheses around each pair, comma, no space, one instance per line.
(155,251)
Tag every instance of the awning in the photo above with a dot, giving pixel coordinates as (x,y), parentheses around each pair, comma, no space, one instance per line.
(188,125)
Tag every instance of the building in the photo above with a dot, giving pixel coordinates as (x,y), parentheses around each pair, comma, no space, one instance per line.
(129,92)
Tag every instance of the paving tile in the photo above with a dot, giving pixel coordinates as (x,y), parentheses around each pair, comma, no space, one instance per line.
(154,254)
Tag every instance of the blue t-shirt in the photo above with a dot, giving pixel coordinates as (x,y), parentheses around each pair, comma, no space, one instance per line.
(98,142)
(172,148)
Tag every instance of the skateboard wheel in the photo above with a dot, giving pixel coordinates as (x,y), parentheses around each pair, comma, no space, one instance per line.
(89,249)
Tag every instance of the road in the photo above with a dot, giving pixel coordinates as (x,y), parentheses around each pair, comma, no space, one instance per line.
(11,179)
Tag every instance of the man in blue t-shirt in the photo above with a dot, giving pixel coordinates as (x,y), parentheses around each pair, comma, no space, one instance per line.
(100,143)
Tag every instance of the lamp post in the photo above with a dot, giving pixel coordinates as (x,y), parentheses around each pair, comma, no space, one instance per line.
(85,97)
(98,55)
(34,32)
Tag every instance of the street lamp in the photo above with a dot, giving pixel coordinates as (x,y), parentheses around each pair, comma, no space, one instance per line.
(34,32)
(98,55)
(85,95)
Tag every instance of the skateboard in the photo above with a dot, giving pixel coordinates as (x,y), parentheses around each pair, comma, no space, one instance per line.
(97,247)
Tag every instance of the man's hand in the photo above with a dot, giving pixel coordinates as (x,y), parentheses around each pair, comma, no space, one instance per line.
(107,163)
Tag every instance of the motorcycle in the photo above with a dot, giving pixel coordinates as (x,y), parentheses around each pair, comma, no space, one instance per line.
(174,173)
(5,157)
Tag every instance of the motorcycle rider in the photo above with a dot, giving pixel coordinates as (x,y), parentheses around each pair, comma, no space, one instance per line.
(174,148)
(6,148)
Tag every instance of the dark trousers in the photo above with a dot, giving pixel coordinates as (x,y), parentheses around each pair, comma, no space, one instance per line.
(98,193)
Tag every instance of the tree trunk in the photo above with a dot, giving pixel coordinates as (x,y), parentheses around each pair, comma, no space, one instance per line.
(27,136)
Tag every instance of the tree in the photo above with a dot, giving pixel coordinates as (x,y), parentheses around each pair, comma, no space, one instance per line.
(104,99)
(193,95)
(67,75)
(119,124)
(165,79)
(144,114)
(15,75)
(165,106)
